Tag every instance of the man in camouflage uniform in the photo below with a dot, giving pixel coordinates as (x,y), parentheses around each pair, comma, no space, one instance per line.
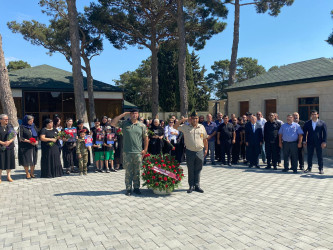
(134,132)
(82,152)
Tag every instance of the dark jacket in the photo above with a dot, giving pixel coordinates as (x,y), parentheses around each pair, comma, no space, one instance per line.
(253,139)
(318,136)
(271,132)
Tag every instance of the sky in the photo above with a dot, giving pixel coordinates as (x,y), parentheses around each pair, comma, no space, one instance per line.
(297,34)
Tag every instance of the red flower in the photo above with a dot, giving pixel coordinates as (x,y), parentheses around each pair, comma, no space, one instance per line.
(159,166)
(144,166)
(166,185)
(148,181)
(154,172)
(32,140)
(173,166)
(164,165)
(153,177)
(173,182)
(170,167)
(156,183)
(165,178)
(177,175)
(180,179)
(156,162)
(182,174)
(148,172)
(175,171)
(160,178)
(143,174)
(162,160)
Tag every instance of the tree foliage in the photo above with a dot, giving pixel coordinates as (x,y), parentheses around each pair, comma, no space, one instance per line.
(247,68)
(14,65)
(137,85)
(201,88)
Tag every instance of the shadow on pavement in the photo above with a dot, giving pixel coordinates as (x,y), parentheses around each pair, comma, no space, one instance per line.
(317,176)
(92,193)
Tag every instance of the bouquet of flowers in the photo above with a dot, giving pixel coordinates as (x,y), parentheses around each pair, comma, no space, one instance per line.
(63,134)
(165,140)
(11,135)
(119,131)
(161,172)
(32,140)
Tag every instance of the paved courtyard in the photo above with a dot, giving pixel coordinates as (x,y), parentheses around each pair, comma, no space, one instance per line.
(241,208)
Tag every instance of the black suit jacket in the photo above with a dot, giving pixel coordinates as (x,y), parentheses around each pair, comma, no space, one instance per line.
(255,138)
(317,136)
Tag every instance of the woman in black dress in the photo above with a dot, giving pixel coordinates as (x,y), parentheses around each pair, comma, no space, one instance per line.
(27,150)
(156,140)
(7,155)
(69,147)
(50,160)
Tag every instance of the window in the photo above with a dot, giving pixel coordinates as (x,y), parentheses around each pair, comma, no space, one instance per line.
(243,107)
(50,101)
(270,107)
(305,105)
(31,101)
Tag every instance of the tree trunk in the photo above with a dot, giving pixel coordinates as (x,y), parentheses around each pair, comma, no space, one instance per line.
(80,104)
(183,90)
(233,61)
(154,76)
(90,89)
(6,95)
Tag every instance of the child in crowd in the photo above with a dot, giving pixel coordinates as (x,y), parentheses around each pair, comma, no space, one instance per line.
(82,152)
(109,140)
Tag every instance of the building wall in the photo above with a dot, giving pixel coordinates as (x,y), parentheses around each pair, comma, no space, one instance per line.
(287,102)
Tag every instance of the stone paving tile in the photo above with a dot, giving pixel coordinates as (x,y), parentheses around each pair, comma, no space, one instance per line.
(241,208)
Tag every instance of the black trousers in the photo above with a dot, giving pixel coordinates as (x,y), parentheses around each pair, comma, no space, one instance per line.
(194,162)
(242,151)
(272,152)
(301,157)
(225,150)
(217,151)
(235,152)
(319,152)
(252,154)
(290,150)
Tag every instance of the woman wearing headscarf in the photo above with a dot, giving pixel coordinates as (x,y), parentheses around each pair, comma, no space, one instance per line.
(156,138)
(50,159)
(27,146)
(7,155)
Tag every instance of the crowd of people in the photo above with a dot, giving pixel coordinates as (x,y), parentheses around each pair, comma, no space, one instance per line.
(118,142)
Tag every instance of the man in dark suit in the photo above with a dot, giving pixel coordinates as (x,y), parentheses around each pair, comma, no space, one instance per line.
(226,136)
(253,141)
(271,138)
(315,137)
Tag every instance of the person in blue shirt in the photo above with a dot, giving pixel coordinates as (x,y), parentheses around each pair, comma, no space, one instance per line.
(211,130)
(290,139)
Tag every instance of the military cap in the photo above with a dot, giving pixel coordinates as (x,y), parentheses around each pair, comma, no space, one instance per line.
(194,113)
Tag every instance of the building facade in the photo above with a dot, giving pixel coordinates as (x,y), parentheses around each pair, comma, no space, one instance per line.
(299,87)
(44,91)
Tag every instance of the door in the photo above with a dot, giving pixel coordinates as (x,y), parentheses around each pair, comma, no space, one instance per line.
(243,107)
(270,107)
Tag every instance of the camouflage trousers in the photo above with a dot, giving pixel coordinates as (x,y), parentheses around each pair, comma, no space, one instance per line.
(83,161)
(132,163)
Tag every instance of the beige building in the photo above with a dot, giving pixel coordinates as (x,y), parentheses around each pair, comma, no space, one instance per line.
(297,87)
